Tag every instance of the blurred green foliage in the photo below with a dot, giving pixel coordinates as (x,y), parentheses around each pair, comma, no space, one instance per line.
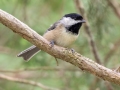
(39,15)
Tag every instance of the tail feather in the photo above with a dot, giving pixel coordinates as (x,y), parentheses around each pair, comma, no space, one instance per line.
(29,53)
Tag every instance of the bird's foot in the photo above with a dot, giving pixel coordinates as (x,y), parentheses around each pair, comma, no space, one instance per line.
(52,43)
(72,50)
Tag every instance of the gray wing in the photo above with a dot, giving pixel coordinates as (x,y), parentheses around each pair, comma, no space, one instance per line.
(53,26)
(31,51)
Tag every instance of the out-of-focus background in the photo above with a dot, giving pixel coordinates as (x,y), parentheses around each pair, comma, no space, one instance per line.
(104,24)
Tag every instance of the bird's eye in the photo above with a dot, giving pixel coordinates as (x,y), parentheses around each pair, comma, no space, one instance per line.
(76,18)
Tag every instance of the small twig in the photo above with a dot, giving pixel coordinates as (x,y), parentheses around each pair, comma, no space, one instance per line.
(117,69)
(30,82)
(115,47)
(41,68)
(5,49)
(108,86)
(56,61)
(115,6)
(93,84)
(88,31)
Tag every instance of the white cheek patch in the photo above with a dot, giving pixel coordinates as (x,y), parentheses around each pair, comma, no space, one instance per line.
(67,21)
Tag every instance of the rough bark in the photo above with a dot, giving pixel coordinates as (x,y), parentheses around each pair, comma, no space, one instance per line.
(76,59)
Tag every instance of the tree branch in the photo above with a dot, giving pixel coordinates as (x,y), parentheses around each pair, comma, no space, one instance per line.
(44,68)
(88,31)
(59,52)
(115,47)
(115,6)
(2,76)
(91,40)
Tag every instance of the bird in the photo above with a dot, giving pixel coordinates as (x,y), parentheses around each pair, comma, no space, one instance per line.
(63,33)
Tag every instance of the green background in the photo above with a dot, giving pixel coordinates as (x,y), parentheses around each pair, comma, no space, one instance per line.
(39,15)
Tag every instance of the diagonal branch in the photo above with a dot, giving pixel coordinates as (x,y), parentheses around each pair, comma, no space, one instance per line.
(115,6)
(2,76)
(76,59)
(88,31)
(91,40)
(44,68)
(115,47)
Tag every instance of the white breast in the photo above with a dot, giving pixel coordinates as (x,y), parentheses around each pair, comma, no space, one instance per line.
(65,38)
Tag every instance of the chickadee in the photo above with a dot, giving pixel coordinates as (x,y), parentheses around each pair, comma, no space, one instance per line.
(62,33)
